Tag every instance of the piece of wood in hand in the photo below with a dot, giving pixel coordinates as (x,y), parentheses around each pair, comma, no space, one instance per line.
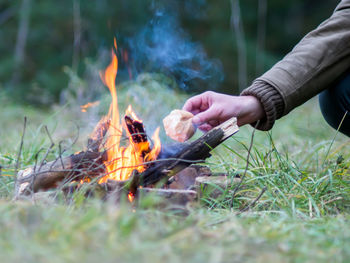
(178,125)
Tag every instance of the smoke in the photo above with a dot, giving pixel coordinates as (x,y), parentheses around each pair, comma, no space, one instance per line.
(163,46)
(170,150)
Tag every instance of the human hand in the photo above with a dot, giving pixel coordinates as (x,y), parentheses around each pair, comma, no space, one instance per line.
(211,109)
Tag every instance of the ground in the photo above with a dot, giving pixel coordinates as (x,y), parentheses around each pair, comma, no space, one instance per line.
(302,217)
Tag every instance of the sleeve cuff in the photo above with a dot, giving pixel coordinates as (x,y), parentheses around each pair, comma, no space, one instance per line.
(271,101)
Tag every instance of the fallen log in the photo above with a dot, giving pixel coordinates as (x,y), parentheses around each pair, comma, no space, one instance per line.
(190,153)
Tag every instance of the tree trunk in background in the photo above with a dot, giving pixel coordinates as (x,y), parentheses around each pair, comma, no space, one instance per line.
(77,34)
(22,34)
(236,25)
(6,15)
(261,34)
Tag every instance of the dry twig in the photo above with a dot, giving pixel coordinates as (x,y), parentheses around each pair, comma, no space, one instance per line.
(247,164)
(21,145)
(252,204)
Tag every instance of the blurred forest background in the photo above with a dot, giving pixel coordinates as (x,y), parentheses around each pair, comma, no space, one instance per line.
(203,44)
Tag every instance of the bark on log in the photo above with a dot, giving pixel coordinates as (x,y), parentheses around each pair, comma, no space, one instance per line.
(96,138)
(74,167)
(193,152)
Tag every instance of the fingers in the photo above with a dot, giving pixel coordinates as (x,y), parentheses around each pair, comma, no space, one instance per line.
(211,109)
(205,127)
(193,104)
(211,114)
(207,112)
(198,103)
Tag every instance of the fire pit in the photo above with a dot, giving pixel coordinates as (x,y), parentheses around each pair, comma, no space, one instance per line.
(140,166)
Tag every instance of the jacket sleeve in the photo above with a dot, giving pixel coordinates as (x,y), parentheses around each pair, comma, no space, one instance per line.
(313,65)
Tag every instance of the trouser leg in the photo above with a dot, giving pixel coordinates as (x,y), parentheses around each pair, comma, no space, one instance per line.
(334,104)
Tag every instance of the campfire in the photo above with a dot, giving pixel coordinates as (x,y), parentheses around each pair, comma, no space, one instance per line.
(120,167)
(122,160)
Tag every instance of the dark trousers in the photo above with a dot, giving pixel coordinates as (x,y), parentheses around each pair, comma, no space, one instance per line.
(334,104)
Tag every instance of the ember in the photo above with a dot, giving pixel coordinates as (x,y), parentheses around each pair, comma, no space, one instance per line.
(89,105)
(131,197)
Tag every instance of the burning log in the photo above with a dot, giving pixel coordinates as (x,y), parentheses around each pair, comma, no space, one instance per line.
(72,168)
(136,130)
(138,135)
(193,152)
(97,136)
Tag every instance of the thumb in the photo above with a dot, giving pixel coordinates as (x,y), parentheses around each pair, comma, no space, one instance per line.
(205,116)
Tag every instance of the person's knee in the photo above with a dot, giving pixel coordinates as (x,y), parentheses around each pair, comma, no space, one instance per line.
(335,105)
(327,105)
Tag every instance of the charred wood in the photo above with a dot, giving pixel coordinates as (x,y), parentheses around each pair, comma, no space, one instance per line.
(72,168)
(136,130)
(190,153)
(96,138)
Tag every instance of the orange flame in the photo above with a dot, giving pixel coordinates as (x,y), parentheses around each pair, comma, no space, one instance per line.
(131,197)
(131,113)
(89,105)
(122,160)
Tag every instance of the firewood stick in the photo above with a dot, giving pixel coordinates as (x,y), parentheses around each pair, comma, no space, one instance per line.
(96,138)
(136,130)
(193,152)
(74,167)
(138,135)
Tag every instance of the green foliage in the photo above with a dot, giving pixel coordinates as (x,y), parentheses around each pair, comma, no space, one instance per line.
(50,40)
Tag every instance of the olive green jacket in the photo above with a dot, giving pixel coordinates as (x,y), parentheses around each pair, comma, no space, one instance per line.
(314,64)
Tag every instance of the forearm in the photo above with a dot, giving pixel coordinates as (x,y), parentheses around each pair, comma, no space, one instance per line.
(313,65)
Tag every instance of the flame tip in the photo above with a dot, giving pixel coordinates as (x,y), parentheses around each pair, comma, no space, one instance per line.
(121,161)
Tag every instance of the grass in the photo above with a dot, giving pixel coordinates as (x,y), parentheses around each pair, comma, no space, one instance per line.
(303,215)
(94,232)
